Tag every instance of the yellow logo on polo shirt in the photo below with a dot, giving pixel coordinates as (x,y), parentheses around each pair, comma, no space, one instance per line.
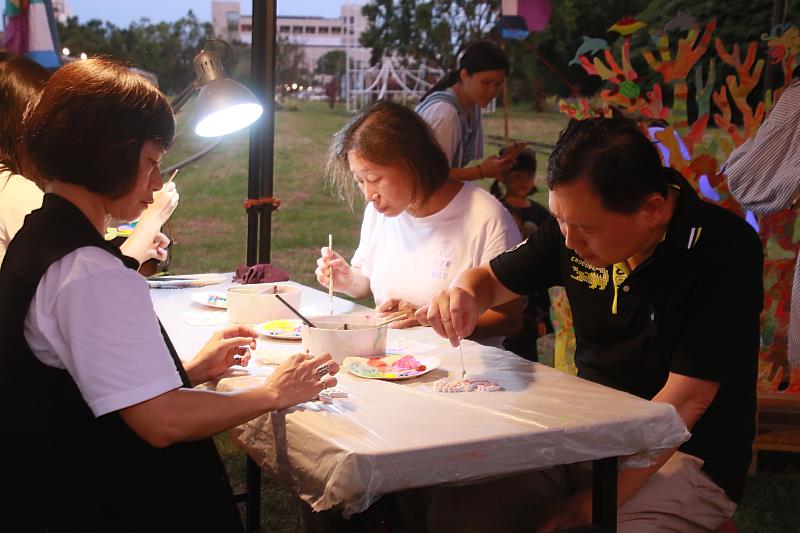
(596,277)
(621,272)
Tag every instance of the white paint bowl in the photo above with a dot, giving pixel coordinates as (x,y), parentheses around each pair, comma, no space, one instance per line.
(256,303)
(361,338)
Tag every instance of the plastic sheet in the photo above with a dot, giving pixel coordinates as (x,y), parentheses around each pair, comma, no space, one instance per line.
(391,436)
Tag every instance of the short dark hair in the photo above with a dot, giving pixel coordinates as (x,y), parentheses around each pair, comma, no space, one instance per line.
(617,158)
(21,79)
(388,134)
(479,56)
(90,123)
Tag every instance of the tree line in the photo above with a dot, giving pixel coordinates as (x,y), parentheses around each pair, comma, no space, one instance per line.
(433,31)
(166,49)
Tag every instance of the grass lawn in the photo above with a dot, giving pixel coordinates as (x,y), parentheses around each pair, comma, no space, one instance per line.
(210,236)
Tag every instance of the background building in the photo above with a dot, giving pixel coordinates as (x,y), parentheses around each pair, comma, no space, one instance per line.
(61,10)
(316,35)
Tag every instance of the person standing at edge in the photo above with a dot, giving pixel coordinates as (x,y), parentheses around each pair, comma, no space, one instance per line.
(452,108)
(764,176)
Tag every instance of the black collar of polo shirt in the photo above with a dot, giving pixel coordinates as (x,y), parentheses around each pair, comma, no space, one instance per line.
(686,225)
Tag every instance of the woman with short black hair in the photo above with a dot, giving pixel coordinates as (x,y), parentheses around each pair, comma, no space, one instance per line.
(108,434)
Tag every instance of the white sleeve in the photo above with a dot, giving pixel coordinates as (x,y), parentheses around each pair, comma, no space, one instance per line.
(98,323)
(19,198)
(764,172)
(503,234)
(446,126)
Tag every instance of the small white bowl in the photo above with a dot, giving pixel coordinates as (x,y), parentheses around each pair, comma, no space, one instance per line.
(256,303)
(361,338)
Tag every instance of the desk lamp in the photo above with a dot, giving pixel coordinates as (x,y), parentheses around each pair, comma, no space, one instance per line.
(223,105)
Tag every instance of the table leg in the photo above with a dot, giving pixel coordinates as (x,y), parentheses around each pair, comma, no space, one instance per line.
(604,494)
(253,496)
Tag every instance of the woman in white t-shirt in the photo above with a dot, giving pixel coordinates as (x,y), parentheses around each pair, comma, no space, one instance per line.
(420,228)
(21,80)
(453,106)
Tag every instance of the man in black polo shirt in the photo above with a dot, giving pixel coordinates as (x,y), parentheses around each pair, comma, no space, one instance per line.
(666,292)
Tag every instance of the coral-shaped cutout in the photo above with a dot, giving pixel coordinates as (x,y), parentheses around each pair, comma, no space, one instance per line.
(748,79)
(751,120)
(580,109)
(784,46)
(652,106)
(624,77)
(702,91)
(688,53)
(748,73)
(675,70)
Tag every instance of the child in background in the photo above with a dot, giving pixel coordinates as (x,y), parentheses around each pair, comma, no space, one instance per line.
(528,215)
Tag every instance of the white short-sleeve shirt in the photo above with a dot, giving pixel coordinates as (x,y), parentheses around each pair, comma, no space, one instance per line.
(443,119)
(18,197)
(93,316)
(413,258)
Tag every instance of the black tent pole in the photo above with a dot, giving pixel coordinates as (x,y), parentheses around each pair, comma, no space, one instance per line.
(262,133)
(268,138)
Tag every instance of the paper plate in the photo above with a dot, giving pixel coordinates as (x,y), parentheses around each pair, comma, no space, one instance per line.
(289,329)
(391,367)
(211,299)
(187,280)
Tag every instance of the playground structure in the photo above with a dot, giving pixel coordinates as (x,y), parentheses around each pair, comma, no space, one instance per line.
(388,81)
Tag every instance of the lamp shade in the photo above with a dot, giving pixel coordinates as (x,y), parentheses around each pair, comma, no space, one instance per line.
(224,106)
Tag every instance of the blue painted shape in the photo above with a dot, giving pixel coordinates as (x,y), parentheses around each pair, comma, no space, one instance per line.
(707,190)
(751,219)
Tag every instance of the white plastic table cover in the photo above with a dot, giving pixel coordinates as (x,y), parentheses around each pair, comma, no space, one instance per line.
(390,436)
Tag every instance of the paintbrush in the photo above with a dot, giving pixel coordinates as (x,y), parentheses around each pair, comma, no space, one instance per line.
(391,319)
(330,279)
(461,353)
(295,311)
(172,176)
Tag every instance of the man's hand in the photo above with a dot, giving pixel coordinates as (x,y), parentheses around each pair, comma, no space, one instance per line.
(453,313)
(395,307)
(571,512)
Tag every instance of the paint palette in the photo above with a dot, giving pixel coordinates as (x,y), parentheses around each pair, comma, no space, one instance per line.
(287,329)
(390,367)
(211,299)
